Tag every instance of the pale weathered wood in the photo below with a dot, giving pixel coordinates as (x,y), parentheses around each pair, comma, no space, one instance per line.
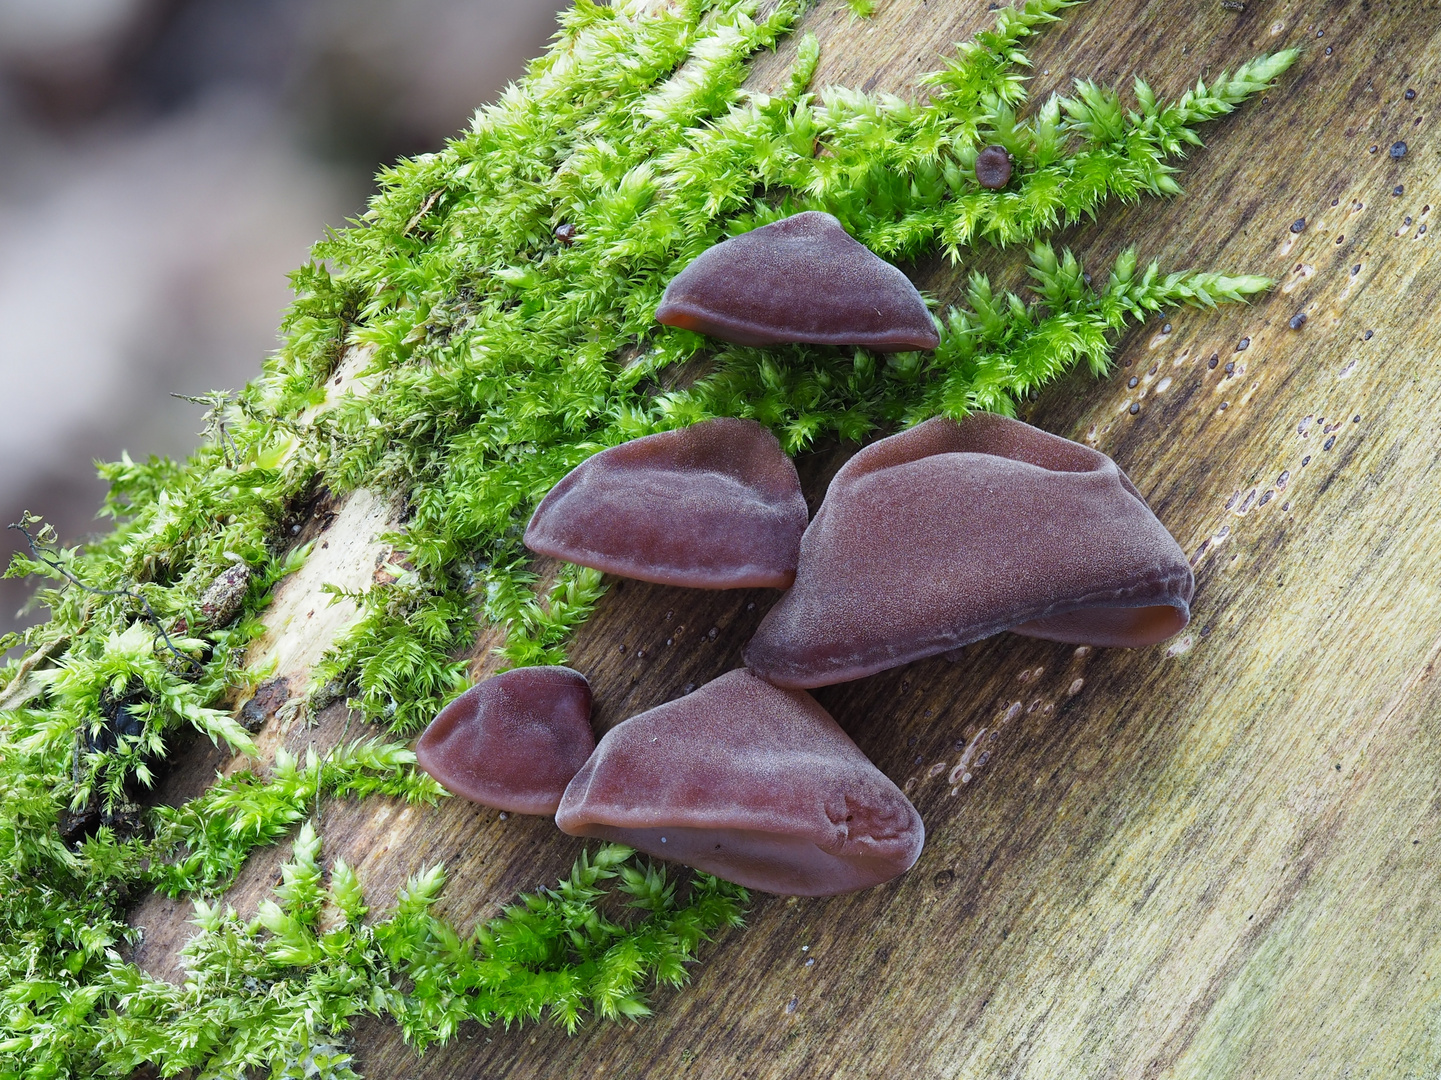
(1214,858)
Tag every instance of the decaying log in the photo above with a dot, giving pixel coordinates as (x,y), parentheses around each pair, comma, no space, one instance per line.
(1211,858)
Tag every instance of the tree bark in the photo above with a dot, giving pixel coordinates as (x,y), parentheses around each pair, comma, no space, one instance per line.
(1210,858)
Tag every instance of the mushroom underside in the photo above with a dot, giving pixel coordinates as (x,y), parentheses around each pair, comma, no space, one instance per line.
(771,862)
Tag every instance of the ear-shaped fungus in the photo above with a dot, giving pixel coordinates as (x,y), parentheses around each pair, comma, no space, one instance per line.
(802,279)
(948,533)
(512,742)
(716,505)
(751,783)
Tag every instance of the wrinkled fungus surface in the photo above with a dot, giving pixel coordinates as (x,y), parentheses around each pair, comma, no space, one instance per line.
(716,505)
(802,279)
(512,742)
(993,168)
(951,532)
(752,783)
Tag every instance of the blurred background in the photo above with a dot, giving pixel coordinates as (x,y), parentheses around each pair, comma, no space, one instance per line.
(163,164)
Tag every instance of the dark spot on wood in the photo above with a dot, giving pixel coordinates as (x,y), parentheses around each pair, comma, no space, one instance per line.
(268,699)
(1299,225)
(1298,320)
(1398,150)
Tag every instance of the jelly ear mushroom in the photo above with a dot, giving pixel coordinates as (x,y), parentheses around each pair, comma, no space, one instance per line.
(512,742)
(716,505)
(950,532)
(802,279)
(751,783)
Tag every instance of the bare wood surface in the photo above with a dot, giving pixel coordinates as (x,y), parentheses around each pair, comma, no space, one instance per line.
(1211,858)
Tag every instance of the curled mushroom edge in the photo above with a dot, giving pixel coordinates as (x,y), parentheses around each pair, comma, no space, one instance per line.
(802,279)
(950,532)
(753,783)
(512,742)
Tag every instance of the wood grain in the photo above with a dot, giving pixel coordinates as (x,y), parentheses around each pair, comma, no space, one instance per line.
(1212,858)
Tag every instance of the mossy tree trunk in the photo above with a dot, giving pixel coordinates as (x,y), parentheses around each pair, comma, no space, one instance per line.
(1212,858)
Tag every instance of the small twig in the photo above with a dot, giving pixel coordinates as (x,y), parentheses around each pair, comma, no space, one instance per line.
(14,692)
(215,422)
(22,526)
(424,209)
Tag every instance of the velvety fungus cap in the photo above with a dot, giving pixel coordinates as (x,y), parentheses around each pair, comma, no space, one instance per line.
(752,783)
(950,532)
(512,742)
(802,279)
(716,505)
(993,168)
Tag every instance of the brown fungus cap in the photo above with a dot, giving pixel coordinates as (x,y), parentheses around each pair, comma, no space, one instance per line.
(751,783)
(993,168)
(716,505)
(802,279)
(512,742)
(950,532)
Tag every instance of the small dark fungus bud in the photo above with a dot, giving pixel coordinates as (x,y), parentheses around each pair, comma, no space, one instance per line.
(948,533)
(1243,345)
(1398,150)
(802,279)
(716,505)
(1298,320)
(1367,335)
(1132,381)
(1166,329)
(512,742)
(993,168)
(1135,407)
(1215,359)
(565,233)
(755,784)
(1410,95)
(1399,189)
(1299,225)
(1328,50)
(1230,368)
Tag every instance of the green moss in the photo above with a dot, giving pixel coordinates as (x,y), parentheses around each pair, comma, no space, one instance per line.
(498,357)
